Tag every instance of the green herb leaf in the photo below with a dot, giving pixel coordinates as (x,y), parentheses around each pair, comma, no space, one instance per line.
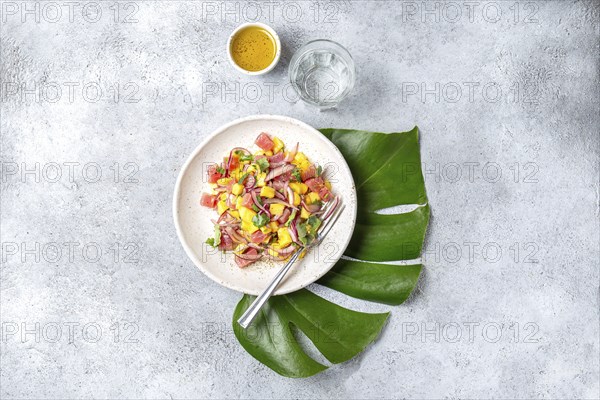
(221,170)
(291,218)
(337,332)
(297,174)
(319,170)
(255,208)
(243,178)
(247,157)
(260,220)
(302,233)
(217,240)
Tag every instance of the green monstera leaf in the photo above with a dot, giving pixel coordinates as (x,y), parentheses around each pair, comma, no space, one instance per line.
(387,173)
(338,333)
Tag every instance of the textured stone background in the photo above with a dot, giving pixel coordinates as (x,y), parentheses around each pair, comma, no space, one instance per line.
(506,97)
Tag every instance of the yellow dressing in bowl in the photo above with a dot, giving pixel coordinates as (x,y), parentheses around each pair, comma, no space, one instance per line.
(253,48)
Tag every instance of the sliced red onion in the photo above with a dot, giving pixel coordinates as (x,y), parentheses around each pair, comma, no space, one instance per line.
(275,217)
(311,208)
(277,185)
(279,195)
(286,250)
(250,182)
(223,216)
(241,149)
(231,199)
(228,168)
(230,224)
(284,217)
(257,203)
(275,172)
(331,209)
(276,165)
(293,232)
(277,157)
(290,194)
(292,154)
(235,236)
(279,201)
(225,223)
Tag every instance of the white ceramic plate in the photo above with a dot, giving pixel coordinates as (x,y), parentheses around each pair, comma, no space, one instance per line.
(193,222)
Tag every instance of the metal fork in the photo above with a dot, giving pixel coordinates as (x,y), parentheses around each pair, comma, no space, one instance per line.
(249,315)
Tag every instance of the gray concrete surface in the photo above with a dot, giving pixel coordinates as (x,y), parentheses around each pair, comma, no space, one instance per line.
(113,97)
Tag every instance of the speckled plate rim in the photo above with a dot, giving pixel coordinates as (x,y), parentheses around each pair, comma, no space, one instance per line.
(345,169)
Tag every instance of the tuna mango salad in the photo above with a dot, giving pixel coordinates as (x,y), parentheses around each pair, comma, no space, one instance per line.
(269,202)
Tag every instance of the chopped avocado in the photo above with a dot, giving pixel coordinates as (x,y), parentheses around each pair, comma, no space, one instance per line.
(260,220)
(263,164)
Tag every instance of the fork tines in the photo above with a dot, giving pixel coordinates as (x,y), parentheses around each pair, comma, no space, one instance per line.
(330,222)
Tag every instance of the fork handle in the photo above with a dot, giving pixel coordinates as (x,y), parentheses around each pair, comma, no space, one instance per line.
(249,315)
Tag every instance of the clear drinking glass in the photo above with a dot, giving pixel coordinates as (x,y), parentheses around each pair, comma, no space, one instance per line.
(322,72)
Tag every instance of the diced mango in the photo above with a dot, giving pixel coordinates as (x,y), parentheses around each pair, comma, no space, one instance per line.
(301,162)
(223,196)
(300,157)
(276,209)
(328,185)
(284,237)
(304,166)
(267,191)
(236,174)
(296,199)
(221,207)
(238,202)
(237,189)
(239,249)
(274,226)
(299,187)
(304,213)
(312,197)
(224,181)
(260,181)
(234,213)
(248,226)
(278,144)
(265,229)
(268,153)
(246,214)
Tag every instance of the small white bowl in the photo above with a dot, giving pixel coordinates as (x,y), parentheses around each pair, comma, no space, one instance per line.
(277,51)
